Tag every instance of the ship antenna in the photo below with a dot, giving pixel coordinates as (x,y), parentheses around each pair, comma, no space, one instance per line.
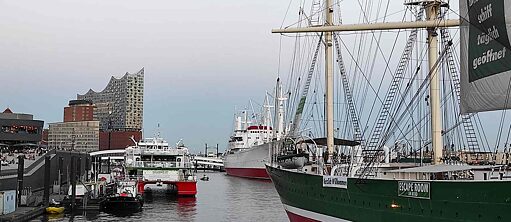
(158,131)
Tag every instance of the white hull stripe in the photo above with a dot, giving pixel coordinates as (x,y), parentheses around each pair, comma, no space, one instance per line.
(312,215)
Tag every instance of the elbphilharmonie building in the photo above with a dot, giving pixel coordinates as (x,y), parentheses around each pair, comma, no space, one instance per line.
(120,105)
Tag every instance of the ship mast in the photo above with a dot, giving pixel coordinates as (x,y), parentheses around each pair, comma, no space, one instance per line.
(329,78)
(279,130)
(432,8)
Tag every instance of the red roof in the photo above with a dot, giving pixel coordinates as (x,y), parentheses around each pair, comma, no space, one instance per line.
(258,127)
(7,110)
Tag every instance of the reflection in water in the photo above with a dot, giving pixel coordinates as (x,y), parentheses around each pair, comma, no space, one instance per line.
(186,207)
(76,216)
(222,198)
(254,200)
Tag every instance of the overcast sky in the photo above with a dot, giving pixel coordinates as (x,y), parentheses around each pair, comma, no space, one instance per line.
(201,58)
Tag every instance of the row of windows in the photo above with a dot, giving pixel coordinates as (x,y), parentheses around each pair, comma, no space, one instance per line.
(258,131)
(75,134)
(20,129)
(255,138)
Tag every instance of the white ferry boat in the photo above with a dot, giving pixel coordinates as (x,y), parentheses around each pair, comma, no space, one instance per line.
(153,161)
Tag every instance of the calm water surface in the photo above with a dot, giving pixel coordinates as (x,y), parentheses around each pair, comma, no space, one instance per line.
(222,198)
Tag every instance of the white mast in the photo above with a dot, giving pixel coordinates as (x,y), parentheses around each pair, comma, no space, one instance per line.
(266,119)
(245,120)
(280,111)
(329,77)
(432,9)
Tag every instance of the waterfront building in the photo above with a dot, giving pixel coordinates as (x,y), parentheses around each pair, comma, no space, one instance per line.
(111,140)
(80,136)
(120,105)
(19,130)
(79,110)
(79,131)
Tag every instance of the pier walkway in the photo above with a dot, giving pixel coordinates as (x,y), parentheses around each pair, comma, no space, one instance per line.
(208,163)
(22,214)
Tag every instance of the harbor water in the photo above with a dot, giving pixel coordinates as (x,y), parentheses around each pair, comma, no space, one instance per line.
(222,198)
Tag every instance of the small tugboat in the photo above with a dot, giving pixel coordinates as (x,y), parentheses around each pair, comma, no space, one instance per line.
(153,162)
(54,208)
(88,196)
(204,178)
(125,199)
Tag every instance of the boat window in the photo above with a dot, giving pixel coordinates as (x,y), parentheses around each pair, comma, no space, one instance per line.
(159,158)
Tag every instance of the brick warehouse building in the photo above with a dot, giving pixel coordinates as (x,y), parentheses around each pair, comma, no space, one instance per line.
(79,110)
(118,139)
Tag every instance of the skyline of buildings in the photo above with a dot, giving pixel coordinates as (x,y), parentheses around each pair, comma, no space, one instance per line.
(102,120)
(120,105)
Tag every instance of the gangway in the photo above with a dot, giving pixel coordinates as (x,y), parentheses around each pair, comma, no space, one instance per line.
(208,163)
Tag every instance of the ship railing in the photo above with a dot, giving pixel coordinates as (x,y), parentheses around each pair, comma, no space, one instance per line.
(161,164)
(134,177)
(170,152)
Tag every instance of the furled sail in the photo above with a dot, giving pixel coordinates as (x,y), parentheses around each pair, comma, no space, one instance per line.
(485,55)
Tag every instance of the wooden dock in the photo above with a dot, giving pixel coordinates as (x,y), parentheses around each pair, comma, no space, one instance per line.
(22,214)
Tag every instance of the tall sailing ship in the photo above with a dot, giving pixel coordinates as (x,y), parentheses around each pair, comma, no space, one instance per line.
(425,158)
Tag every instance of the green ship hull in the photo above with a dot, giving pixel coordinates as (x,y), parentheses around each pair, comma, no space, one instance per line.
(305,199)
